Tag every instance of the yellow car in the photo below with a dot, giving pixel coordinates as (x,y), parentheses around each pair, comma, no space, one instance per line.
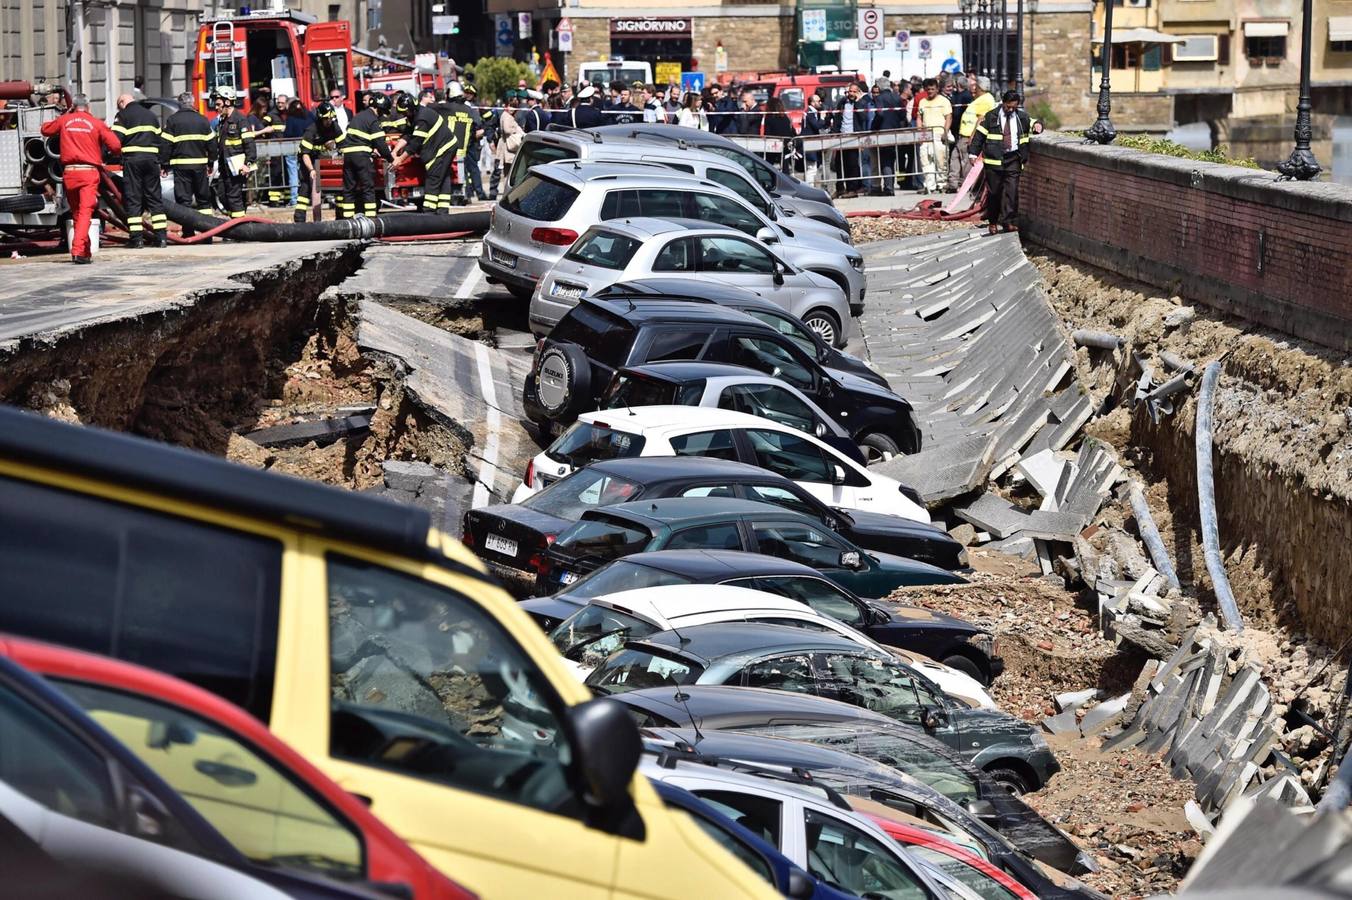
(371,642)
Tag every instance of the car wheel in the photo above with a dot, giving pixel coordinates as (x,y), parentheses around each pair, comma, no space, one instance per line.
(878,447)
(563,379)
(822,322)
(519,292)
(966,666)
(1009,779)
(22,203)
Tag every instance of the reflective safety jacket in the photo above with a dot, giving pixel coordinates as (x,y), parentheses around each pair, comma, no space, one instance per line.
(432,137)
(975,112)
(463,121)
(139,131)
(234,137)
(187,140)
(988,139)
(365,134)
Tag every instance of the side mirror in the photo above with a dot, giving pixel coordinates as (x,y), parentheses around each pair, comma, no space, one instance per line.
(801,885)
(146,816)
(766,235)
(851,559)
(983,810)
(778,273)
(879,616)
(608,749)
(932,718)
(820,430)
(838,474)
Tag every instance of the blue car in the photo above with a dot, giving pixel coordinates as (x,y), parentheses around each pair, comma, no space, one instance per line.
(750,848)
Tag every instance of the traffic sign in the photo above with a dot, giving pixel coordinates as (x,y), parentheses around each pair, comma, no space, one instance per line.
(926,48)
(692,82)
(565,40)
(871,29)
(814,25)
(506,37)
(523,21)
(903,39)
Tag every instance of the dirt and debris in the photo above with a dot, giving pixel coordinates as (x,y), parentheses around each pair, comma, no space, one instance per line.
(887,228)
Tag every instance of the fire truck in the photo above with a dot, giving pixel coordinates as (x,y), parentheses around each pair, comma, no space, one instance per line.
(290,53)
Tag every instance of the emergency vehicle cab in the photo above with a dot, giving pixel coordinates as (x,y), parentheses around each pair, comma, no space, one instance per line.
(286,51)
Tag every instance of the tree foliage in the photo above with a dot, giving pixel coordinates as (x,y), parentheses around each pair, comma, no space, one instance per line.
(495,75)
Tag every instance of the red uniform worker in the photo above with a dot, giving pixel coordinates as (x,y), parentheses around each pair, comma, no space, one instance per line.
(83,140)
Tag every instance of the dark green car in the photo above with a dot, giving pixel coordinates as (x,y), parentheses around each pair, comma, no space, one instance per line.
(725,523)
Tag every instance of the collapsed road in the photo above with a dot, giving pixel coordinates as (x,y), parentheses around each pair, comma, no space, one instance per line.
(397,369)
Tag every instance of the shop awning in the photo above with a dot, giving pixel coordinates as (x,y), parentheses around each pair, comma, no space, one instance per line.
(1142,36)
(1340,28)
(1266,29)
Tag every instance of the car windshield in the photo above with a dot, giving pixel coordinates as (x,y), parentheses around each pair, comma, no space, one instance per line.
(764,175)
(571,496)
(592,633)
(603,539)
(909,756)
(585,443)
(981,884)
(633,669)
(622,575)
(604,249)
(536,153)
(540,199)
(628,391)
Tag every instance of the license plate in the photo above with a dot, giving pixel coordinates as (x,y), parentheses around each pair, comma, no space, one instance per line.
(500,545)
(567,291)
(502,259)
(567,578)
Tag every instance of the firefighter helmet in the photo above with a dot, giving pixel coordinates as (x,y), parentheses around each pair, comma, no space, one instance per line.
(380,102)
(325,112)
(404,104)
(454,91)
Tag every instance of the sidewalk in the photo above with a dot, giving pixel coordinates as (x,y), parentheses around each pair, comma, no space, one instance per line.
(901,200)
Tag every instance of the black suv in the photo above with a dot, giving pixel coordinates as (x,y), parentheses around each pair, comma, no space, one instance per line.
(574,365)
(751,303)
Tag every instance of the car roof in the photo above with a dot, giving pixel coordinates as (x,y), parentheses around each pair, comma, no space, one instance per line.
(723,640)
(658,310)
(658,286)
(667,131)
(646,227)
(659,420)
(674,601)
(192,477)
(629,174)
(684,370)
(719,563)
(650,469)
(675,510)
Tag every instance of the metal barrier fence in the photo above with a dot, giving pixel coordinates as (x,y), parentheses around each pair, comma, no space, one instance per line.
(858,161)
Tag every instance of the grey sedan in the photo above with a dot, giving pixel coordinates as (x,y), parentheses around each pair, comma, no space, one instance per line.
(624,249)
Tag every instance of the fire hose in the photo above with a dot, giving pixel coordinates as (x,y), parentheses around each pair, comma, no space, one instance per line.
(410,226)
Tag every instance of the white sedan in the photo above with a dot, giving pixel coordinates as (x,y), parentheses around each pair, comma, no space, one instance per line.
(601,627)
(822,470)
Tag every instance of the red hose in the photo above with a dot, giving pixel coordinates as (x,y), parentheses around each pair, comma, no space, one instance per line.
(444,236)
(219,229)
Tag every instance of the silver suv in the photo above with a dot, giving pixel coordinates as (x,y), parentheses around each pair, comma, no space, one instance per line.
(543,147)
(686,249)
(539,219)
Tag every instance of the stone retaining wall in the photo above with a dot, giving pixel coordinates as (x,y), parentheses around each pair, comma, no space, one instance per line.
(1275,253)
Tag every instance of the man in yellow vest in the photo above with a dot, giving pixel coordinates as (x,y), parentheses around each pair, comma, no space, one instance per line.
(983,101)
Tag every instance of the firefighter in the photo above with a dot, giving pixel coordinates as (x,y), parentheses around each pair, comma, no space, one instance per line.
(83,140)
(399,121)
(363,137)
(434,144)
(139,131)
(473,173)
(464,120)
(321,132)
(189,151)
(235,152)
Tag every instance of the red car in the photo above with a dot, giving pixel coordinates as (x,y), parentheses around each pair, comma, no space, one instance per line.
(961,865)
(258,792)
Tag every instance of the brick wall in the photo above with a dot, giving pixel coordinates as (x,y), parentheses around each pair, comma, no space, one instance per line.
(1276,253)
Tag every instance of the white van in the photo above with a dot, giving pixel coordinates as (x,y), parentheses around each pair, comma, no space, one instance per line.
(603,72)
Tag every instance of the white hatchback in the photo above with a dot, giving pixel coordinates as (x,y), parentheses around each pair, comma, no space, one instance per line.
(601,627)
(822,470)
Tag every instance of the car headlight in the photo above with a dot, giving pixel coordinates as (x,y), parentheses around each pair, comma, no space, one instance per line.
(857,262)
(1037,740)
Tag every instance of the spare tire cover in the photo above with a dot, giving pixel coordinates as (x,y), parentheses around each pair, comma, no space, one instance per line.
(563,381)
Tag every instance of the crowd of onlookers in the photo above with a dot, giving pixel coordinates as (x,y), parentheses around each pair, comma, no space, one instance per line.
(948,105)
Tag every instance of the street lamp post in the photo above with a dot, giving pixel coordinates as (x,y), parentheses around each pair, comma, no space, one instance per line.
(1301,164)
(1032,42)
(1102,131)
(968,39)
(1018,50)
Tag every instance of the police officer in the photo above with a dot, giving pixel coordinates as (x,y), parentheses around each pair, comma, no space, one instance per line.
(235,151)
(464,121)
(433,141)
(584,112)
(139,131)
(318,134)
(364,136)
(189,151)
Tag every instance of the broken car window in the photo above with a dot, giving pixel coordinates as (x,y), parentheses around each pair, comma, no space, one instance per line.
(847,858)
(592,633)
(428,684)
(633,669)
(873,684)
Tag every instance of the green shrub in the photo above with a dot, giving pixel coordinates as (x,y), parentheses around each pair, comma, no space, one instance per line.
(1043,112)
(495,75)
(1167,147)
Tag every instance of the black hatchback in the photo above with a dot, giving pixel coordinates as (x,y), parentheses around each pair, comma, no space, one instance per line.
(574,365)
(517,535)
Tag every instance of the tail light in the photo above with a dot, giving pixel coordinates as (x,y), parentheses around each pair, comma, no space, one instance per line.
(467,536)
(538,561)
(559,237)
(529,478)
